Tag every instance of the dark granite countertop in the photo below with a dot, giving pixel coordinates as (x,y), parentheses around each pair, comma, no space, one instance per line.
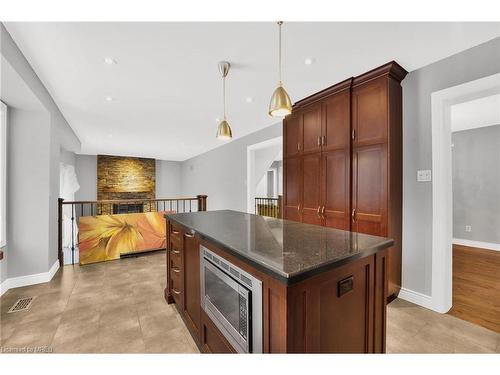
(283,249)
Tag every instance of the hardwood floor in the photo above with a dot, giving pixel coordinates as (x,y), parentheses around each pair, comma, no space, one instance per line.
(476,286)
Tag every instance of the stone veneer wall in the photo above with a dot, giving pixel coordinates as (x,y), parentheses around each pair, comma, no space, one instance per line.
(120,177)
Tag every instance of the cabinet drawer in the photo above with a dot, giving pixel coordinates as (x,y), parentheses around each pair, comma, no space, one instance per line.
(177,289)
(176,254)
(175,232)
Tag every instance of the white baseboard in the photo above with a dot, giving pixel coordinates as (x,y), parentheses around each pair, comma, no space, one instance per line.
(38,278)
(415,297)
(479,244)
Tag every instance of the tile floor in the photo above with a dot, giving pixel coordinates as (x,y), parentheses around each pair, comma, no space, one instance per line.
(118,307)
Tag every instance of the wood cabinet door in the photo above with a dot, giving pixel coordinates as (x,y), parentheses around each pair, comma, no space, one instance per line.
(336,189)
(311,188)
(370,112)
(192,284)
(369,190)
(292,188)
(311,128)
(212,340)
(292,132)
(336,124)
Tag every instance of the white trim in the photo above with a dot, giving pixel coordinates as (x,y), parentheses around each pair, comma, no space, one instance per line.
(416,297)
(478,244)
(37,278)
(3,174)
(442,205)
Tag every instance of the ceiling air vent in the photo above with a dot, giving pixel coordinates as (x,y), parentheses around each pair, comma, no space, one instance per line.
(22,304)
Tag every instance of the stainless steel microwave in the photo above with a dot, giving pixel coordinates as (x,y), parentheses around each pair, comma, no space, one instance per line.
(232,298)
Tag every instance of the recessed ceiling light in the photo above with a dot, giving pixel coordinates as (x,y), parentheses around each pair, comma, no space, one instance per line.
(109,99)
(309,61)
(249,99)
(109,61)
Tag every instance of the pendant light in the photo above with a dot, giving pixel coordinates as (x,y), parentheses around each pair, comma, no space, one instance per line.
(224,130)
(280,104)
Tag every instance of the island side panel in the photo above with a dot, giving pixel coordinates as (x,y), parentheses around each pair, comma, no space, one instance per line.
(381,288)
(334,312)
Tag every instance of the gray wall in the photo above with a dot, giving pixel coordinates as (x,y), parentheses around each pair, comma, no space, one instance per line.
(168,179)
(472,64)
(222,173)
(28,187)
(86,173)
(24,148)
(476,184)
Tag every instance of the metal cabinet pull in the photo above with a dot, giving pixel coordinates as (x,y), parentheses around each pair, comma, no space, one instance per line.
(319,212)
(176,291)
(353,134)
(323,212)
(176,270)
(319,140)
(175,231)
(189,235)
(176,251)
(353,214)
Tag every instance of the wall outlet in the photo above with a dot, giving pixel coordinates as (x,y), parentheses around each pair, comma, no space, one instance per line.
(424,175)
(468,228)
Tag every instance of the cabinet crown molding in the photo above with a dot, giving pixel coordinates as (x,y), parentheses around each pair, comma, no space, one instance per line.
(392,69)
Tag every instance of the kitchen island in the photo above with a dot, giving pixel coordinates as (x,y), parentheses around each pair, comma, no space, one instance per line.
(247,283)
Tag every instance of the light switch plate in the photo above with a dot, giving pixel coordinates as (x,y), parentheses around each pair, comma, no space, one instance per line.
(424,175)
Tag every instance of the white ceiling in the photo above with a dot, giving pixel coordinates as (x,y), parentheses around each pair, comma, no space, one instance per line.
(167,88)
(476,113)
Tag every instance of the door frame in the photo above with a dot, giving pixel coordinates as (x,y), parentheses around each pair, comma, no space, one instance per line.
(442,199)
(250,167)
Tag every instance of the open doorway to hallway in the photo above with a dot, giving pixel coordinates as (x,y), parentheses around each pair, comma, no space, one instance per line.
(265,177)
(475,134)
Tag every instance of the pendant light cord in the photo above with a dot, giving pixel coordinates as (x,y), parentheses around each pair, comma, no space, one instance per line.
(224,95)
(279,49)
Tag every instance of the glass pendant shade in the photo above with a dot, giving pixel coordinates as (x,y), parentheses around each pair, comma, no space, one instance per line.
(280,105)
(224,131)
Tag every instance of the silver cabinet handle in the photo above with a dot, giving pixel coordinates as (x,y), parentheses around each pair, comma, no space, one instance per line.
(189,235)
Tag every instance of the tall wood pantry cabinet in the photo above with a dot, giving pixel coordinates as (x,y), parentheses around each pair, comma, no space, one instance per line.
(343,159)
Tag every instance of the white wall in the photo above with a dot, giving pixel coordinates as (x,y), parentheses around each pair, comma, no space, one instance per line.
(472,64)
(168,179)
(221,173)
(86,173)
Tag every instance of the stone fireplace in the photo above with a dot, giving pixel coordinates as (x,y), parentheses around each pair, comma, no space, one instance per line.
(125,178)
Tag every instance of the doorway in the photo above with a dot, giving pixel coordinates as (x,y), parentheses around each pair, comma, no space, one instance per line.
(442,190)
(264,174)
